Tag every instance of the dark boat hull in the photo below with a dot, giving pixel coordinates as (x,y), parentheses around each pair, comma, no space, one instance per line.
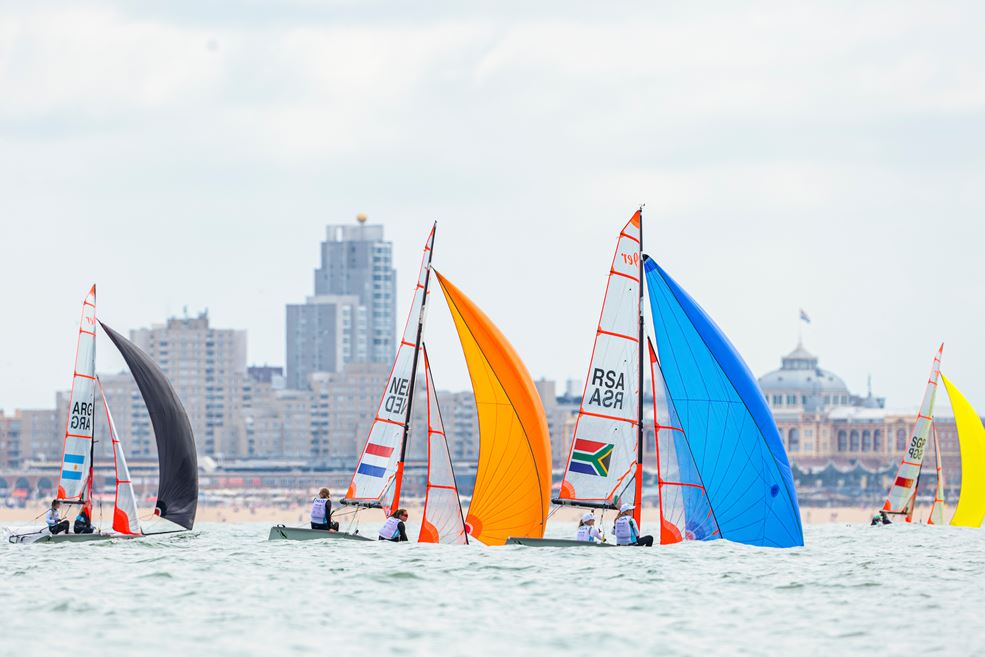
(282,533)
(553,542)
(38,537)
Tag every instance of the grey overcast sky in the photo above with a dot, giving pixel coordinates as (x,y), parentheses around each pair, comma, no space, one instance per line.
(824,155)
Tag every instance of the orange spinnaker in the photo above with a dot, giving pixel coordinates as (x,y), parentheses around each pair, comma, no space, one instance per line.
(513,481)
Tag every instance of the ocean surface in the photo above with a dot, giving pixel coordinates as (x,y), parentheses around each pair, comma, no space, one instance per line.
(226,590)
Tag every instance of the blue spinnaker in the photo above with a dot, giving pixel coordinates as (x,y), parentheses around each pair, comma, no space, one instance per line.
(733,437)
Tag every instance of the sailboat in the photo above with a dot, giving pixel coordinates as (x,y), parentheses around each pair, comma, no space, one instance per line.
(605,460)
(722,471)
(378,477)
(970,508)
(177,498)
(902,496)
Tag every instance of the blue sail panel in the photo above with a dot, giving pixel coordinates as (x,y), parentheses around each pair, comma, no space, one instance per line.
(732,435)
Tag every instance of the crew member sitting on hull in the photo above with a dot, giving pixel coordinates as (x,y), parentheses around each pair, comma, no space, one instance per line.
(880,518)
(321,512)
(55,524)
(626,530)
(83,525)
(394,529)
(587,531)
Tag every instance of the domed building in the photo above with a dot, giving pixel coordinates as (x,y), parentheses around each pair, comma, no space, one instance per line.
(801,386)
(822,421)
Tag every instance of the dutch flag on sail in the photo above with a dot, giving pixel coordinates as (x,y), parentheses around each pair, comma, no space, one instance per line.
(375,460)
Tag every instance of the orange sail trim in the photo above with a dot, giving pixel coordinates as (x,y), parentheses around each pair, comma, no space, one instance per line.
(513,482)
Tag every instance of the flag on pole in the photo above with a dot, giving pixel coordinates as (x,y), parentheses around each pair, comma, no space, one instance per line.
(804,316)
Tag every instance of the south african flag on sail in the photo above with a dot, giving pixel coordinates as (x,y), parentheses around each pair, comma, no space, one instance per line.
(591,458)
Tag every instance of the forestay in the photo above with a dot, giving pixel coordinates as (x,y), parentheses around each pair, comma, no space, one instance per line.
(685,512)
(379,470)
(603,456)
(736,446)
(903,490)
(125,520)
(442,520)
(77,451)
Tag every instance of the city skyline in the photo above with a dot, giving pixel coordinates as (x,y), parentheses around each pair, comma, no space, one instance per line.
(843,181)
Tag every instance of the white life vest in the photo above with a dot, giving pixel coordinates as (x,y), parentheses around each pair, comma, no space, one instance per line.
(319,516)
(588,533)
(389,530)
(623,530)
(52,518)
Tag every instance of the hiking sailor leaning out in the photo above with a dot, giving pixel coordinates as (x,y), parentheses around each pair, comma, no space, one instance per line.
(627,531)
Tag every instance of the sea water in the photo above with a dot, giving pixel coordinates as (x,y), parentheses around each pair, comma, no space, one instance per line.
(226,590)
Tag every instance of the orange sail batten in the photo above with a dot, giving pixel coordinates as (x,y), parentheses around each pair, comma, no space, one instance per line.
(513,482)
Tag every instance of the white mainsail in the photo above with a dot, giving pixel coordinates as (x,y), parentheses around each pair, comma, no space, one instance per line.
(125,520)
(442,520)
(604,450)
(77,452)
(903,491)
(380,467)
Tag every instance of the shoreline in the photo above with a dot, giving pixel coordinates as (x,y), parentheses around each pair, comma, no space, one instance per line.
(298,515)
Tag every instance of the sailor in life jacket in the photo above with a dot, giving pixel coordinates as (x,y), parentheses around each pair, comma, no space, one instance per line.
(627,531)
(321,511)
(587,531)
(394,528)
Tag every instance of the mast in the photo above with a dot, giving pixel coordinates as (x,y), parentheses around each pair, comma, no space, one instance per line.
(637,512)
(398,480)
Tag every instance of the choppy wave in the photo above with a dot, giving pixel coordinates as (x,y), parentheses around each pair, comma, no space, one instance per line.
(226,590)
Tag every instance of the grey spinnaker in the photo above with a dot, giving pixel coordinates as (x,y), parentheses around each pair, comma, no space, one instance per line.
(177,489)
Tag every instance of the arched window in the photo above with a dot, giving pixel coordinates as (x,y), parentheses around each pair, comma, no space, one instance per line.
(900,440)
(793,440)
(866,441)
(842,441)
(853,443)
(877,440)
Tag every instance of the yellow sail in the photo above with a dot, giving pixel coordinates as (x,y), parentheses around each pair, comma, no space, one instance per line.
(970,509)
(513,481)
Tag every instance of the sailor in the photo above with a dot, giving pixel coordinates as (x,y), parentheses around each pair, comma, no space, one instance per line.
(83,525)
(55,524)
(321,511)
(627,531)
(587,531)
(394,529)
(880,518)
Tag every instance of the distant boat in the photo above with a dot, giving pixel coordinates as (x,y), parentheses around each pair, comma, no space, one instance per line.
(722,471)
(902,496)
(970,508)
(177,498)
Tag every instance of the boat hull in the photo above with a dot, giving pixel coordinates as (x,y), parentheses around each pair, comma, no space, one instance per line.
(553,542)
(39,537)
(282,533)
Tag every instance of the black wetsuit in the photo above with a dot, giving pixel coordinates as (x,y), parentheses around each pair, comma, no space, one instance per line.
(82,524)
